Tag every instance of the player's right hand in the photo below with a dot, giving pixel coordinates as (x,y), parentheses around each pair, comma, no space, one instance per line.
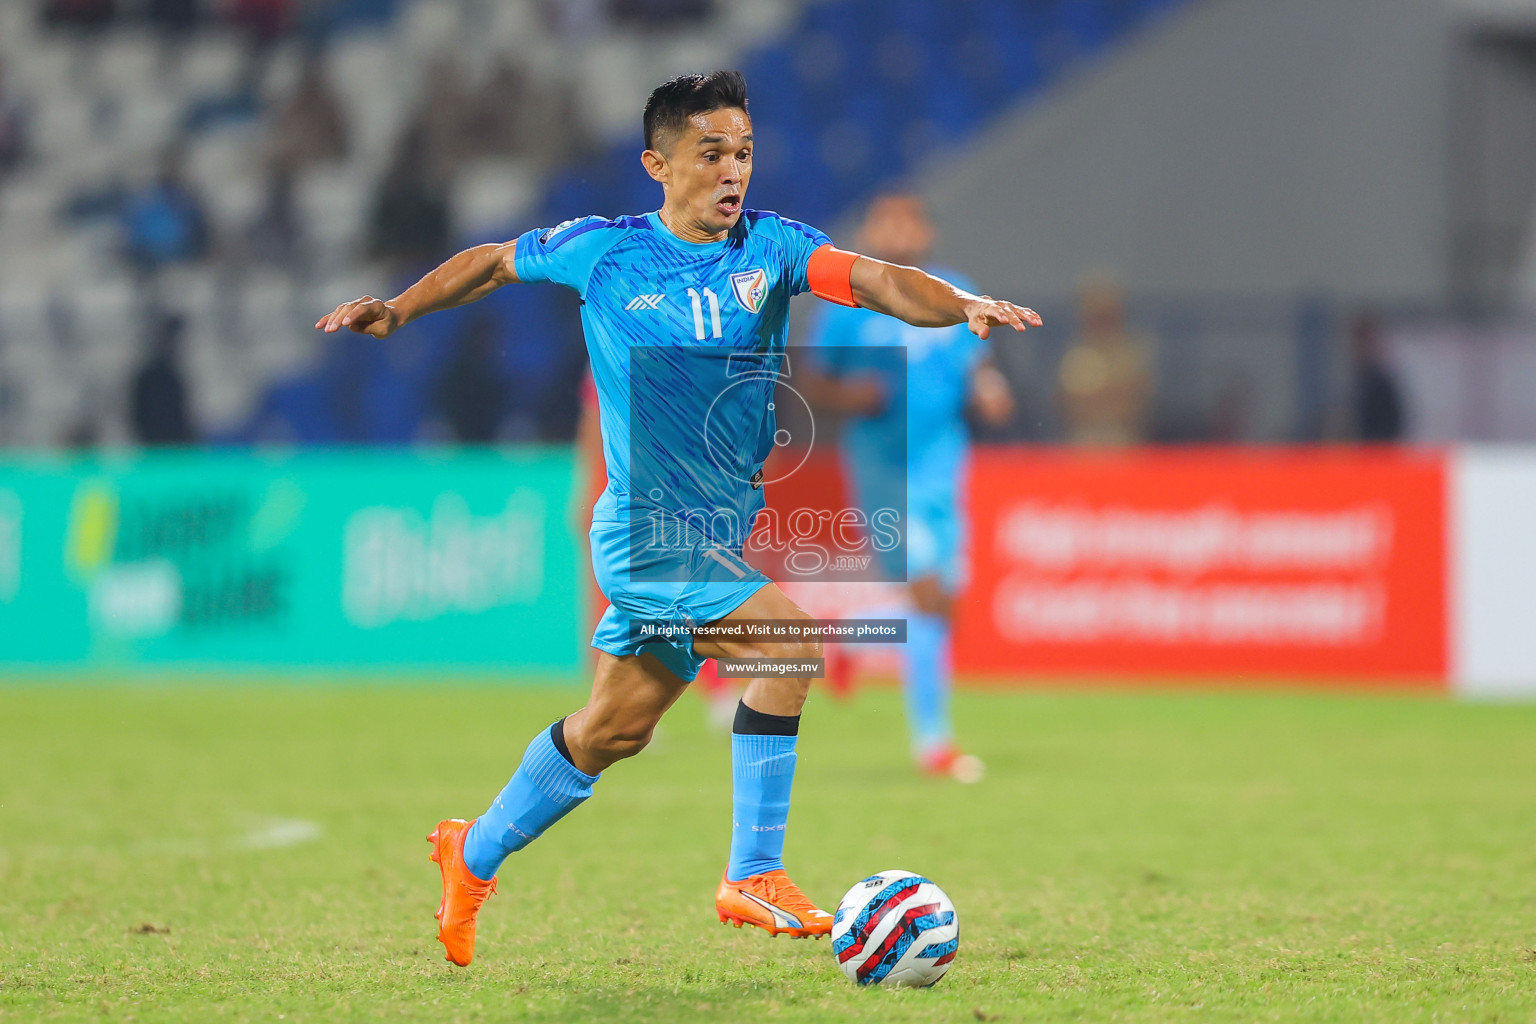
(366,315)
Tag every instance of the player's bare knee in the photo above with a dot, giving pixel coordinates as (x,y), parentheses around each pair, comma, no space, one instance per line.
(798,648)
(803,650)
(810,649)
(791,688)
(766,650)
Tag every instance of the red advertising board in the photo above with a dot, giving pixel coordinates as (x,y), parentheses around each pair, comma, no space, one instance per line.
(1295,563)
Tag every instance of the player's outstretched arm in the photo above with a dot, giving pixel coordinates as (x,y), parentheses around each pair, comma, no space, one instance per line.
(923,300)
(472,274)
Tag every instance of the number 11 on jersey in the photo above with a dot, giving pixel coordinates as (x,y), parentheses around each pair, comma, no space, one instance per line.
(698,312)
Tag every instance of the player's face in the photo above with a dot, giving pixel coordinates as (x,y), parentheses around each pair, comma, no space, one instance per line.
(708,169)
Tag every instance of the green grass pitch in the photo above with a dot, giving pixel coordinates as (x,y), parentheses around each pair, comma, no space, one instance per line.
(1131,857)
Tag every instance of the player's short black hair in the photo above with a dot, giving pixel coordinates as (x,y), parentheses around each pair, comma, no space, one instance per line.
(673,103)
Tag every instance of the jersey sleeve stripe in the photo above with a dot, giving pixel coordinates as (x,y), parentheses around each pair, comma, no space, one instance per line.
(566,236)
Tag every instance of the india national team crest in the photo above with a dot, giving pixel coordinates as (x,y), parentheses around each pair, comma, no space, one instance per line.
(750,286)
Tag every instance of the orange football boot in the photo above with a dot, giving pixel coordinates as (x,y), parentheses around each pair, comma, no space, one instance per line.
(463,893)
(771,901)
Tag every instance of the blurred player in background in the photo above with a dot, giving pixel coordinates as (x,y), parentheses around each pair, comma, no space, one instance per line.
(671,301)
(854,373)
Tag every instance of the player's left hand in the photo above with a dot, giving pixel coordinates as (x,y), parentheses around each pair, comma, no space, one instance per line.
(986,313)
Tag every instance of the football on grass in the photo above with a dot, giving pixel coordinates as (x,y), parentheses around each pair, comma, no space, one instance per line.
(896,929)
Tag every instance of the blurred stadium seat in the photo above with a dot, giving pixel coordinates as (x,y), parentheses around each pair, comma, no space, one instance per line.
(847,96)
(105,107)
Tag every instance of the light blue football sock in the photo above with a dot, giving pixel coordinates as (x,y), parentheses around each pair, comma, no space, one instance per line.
(762,771)
(926,681)
(545,788)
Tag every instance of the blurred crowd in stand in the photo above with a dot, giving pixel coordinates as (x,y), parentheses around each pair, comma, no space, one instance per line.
(267,20)
(227,168)
(312,148)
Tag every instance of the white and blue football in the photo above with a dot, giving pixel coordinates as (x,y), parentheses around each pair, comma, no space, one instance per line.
(897,929)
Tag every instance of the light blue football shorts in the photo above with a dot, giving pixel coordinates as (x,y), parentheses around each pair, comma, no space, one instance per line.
(661,583)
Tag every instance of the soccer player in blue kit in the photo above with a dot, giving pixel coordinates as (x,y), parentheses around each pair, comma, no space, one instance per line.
(857,368)
(671,302)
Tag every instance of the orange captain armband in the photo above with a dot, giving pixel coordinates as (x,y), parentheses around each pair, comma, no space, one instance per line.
(829,272)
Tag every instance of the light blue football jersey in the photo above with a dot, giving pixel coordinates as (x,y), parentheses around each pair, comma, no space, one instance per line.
(687,343)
